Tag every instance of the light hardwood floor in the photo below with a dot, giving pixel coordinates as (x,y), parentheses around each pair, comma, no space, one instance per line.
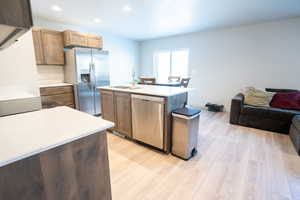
(233,162)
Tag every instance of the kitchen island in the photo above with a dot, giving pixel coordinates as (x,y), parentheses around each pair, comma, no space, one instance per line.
(57,153)
(143,113)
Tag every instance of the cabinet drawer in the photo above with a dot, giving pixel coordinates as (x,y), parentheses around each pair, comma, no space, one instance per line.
(56,90)
(107,92)
(123,94)
(58,100)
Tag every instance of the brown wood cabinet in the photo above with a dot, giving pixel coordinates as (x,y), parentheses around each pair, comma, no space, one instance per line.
(123,113)
(78,39)
(57,96)
(76,170)
(108,105)
(116,107)
(53,47)
(94,41)
(48,47)
(38,46)
(74,38)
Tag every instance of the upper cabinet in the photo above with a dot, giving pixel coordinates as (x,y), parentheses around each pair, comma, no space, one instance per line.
(73,38)
(53,47)
(78,39)
(94,41)
(38,47)
(48,46)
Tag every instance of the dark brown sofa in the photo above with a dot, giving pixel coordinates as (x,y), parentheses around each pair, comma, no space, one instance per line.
(295,133)
(266,118)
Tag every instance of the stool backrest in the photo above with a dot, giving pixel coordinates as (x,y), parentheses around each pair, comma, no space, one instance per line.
(185,82)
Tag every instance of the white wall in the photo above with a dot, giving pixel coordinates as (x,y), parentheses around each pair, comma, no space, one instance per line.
(124,53)
(224,61)
(18,74)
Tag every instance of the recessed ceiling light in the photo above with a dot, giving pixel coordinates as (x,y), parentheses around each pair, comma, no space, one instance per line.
(127,8)
(97,20)
(56,8)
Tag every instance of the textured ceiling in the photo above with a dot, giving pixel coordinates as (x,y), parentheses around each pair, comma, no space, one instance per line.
(150,19)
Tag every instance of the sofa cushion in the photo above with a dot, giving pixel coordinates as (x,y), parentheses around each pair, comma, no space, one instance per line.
(275,125)
(296,122)
(269,112)
(290,100)
(256,97)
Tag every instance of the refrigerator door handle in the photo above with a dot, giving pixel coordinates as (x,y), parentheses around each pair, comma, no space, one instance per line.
(90,68)
(90,76)
(94,73)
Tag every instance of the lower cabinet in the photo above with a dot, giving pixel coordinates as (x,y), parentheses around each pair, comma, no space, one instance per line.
(116,107)
(108,105)
(76,170)
(123,113)
(57,96)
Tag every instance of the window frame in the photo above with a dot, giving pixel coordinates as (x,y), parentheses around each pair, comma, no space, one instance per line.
(170,51)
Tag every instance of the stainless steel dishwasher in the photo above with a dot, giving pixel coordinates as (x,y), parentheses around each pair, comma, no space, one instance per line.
(148,119)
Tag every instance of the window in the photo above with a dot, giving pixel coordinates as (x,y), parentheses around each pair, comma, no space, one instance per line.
(171,63)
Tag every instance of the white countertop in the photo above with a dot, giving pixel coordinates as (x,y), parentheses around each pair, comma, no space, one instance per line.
(55,85)
(8,93)
(27,134)
(13,96)
(164,91)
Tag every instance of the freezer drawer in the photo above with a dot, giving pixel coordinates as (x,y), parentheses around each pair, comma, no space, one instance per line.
(148,120)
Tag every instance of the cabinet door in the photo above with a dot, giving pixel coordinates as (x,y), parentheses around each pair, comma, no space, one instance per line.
(107,105)
(94,41)
(57,96)
(57,100)
(38,47)
(53,47)
(123,113)
(73,39)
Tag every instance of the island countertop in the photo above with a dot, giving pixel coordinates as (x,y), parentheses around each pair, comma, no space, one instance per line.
(55,85)
(27,134)
(163,91)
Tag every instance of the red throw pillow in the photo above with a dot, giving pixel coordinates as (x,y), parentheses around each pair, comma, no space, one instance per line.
(290,100)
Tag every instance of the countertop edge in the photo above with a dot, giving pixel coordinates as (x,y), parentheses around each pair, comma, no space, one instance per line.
(21,157)
(144,93)
(55,85)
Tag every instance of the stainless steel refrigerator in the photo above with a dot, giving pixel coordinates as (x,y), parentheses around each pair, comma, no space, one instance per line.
(87,69)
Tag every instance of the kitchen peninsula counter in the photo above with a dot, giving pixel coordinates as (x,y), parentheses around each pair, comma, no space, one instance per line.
(54,154)
(163,91)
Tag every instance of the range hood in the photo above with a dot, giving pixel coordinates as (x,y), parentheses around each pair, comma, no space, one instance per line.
(15,20)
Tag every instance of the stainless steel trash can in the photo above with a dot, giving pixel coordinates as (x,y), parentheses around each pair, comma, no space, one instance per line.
(185,127)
